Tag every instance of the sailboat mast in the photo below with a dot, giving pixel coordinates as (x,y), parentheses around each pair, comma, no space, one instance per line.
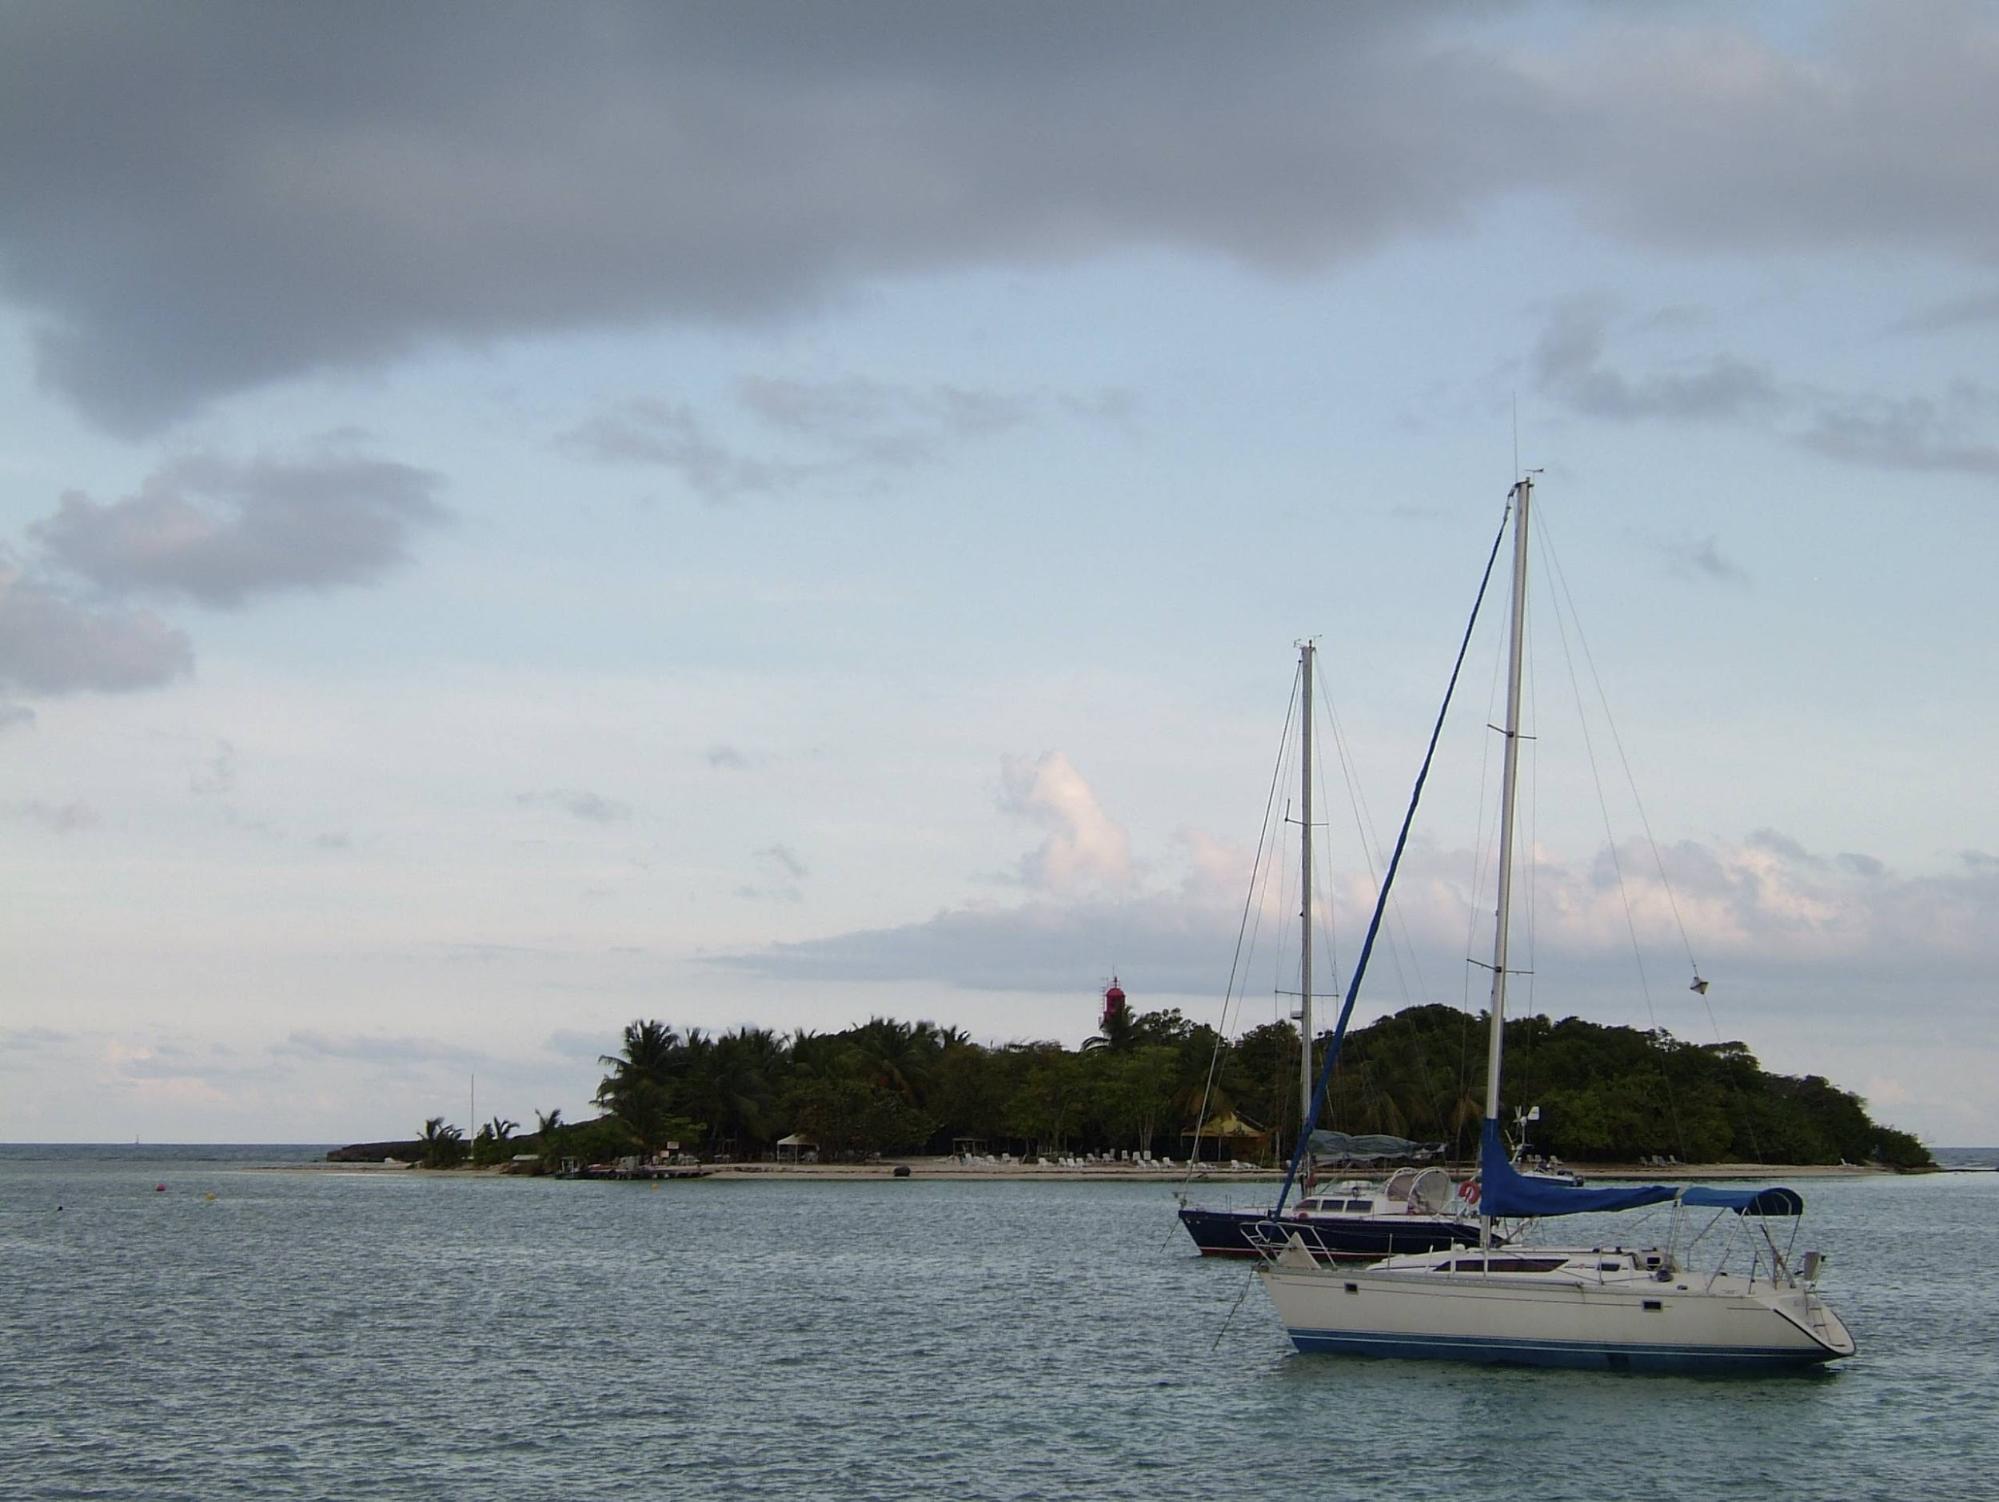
(1509,784)
(1306,652)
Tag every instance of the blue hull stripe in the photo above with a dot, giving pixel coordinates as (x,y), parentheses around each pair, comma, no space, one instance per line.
(1633,1356)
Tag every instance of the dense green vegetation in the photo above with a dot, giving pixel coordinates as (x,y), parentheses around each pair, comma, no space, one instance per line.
(1605,1094)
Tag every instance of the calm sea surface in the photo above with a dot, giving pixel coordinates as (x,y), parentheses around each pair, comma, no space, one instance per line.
(316,1334)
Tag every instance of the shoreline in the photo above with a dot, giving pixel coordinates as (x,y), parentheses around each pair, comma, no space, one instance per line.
(952,1169)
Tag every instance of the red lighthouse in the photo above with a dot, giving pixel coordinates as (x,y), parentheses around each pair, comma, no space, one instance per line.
(1113,1004)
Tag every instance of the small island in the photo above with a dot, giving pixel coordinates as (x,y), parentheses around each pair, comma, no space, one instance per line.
(1611,1098)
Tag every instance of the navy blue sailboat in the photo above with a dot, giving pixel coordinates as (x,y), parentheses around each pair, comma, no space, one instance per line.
(1417,1210)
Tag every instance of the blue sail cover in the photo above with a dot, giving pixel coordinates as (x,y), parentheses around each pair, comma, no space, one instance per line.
(1504,1191)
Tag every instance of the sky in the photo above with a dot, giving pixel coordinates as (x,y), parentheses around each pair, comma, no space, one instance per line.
(515,519)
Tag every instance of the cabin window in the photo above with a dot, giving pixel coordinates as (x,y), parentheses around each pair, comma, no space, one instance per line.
(1654,1304)
(1353,1288)
(1501,1265)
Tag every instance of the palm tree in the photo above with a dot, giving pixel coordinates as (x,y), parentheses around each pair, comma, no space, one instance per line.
(650,1052)
(895,1056)
(1119,1032)
(443,1145)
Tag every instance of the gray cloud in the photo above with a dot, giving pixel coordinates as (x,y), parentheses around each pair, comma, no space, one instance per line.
(1911,433)
(1569,364)
(15,717)
(374,1048)
(1039,947)
(1780,844)
(63,818)
(222,532)
(780,872)
(727,759)
(845,429)
(51,643)
(568,1043)
(268,191)
(1702,559)
(1944,317)
(1768,912)
(215,777)
(869,422)
(1572,363)
(592,808)
(669,435)
(783,860)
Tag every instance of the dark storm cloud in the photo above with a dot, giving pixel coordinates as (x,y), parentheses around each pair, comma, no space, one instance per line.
(265,190)
(222,532)
(202,199)
(51,643)
(1700,136)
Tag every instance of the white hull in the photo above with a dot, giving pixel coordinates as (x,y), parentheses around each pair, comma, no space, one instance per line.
(1625,1319)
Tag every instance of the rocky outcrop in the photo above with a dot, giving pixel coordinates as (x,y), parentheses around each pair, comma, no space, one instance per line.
(375,1152)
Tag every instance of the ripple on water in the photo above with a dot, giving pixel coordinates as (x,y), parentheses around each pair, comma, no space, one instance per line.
(314,1335)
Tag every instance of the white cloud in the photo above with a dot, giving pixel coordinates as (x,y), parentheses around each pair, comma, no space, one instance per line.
(1085,847)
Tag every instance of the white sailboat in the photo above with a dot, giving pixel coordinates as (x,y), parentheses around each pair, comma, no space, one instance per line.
(1596,1306)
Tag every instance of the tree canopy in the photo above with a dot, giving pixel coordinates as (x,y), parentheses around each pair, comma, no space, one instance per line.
(1606,1094)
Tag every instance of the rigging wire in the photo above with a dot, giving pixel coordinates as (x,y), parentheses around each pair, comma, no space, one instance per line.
(1699,986)
(1631,782)
(1369,839)
(1610,834)
(1243,931)
(1484,847)
(1399,941)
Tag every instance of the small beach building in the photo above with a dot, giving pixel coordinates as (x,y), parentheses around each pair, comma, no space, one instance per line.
(1227,1136)
(797,1148)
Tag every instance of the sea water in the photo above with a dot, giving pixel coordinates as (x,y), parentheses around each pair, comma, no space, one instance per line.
(310,1333)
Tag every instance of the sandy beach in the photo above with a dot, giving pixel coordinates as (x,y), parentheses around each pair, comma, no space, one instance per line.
(1207,1174)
